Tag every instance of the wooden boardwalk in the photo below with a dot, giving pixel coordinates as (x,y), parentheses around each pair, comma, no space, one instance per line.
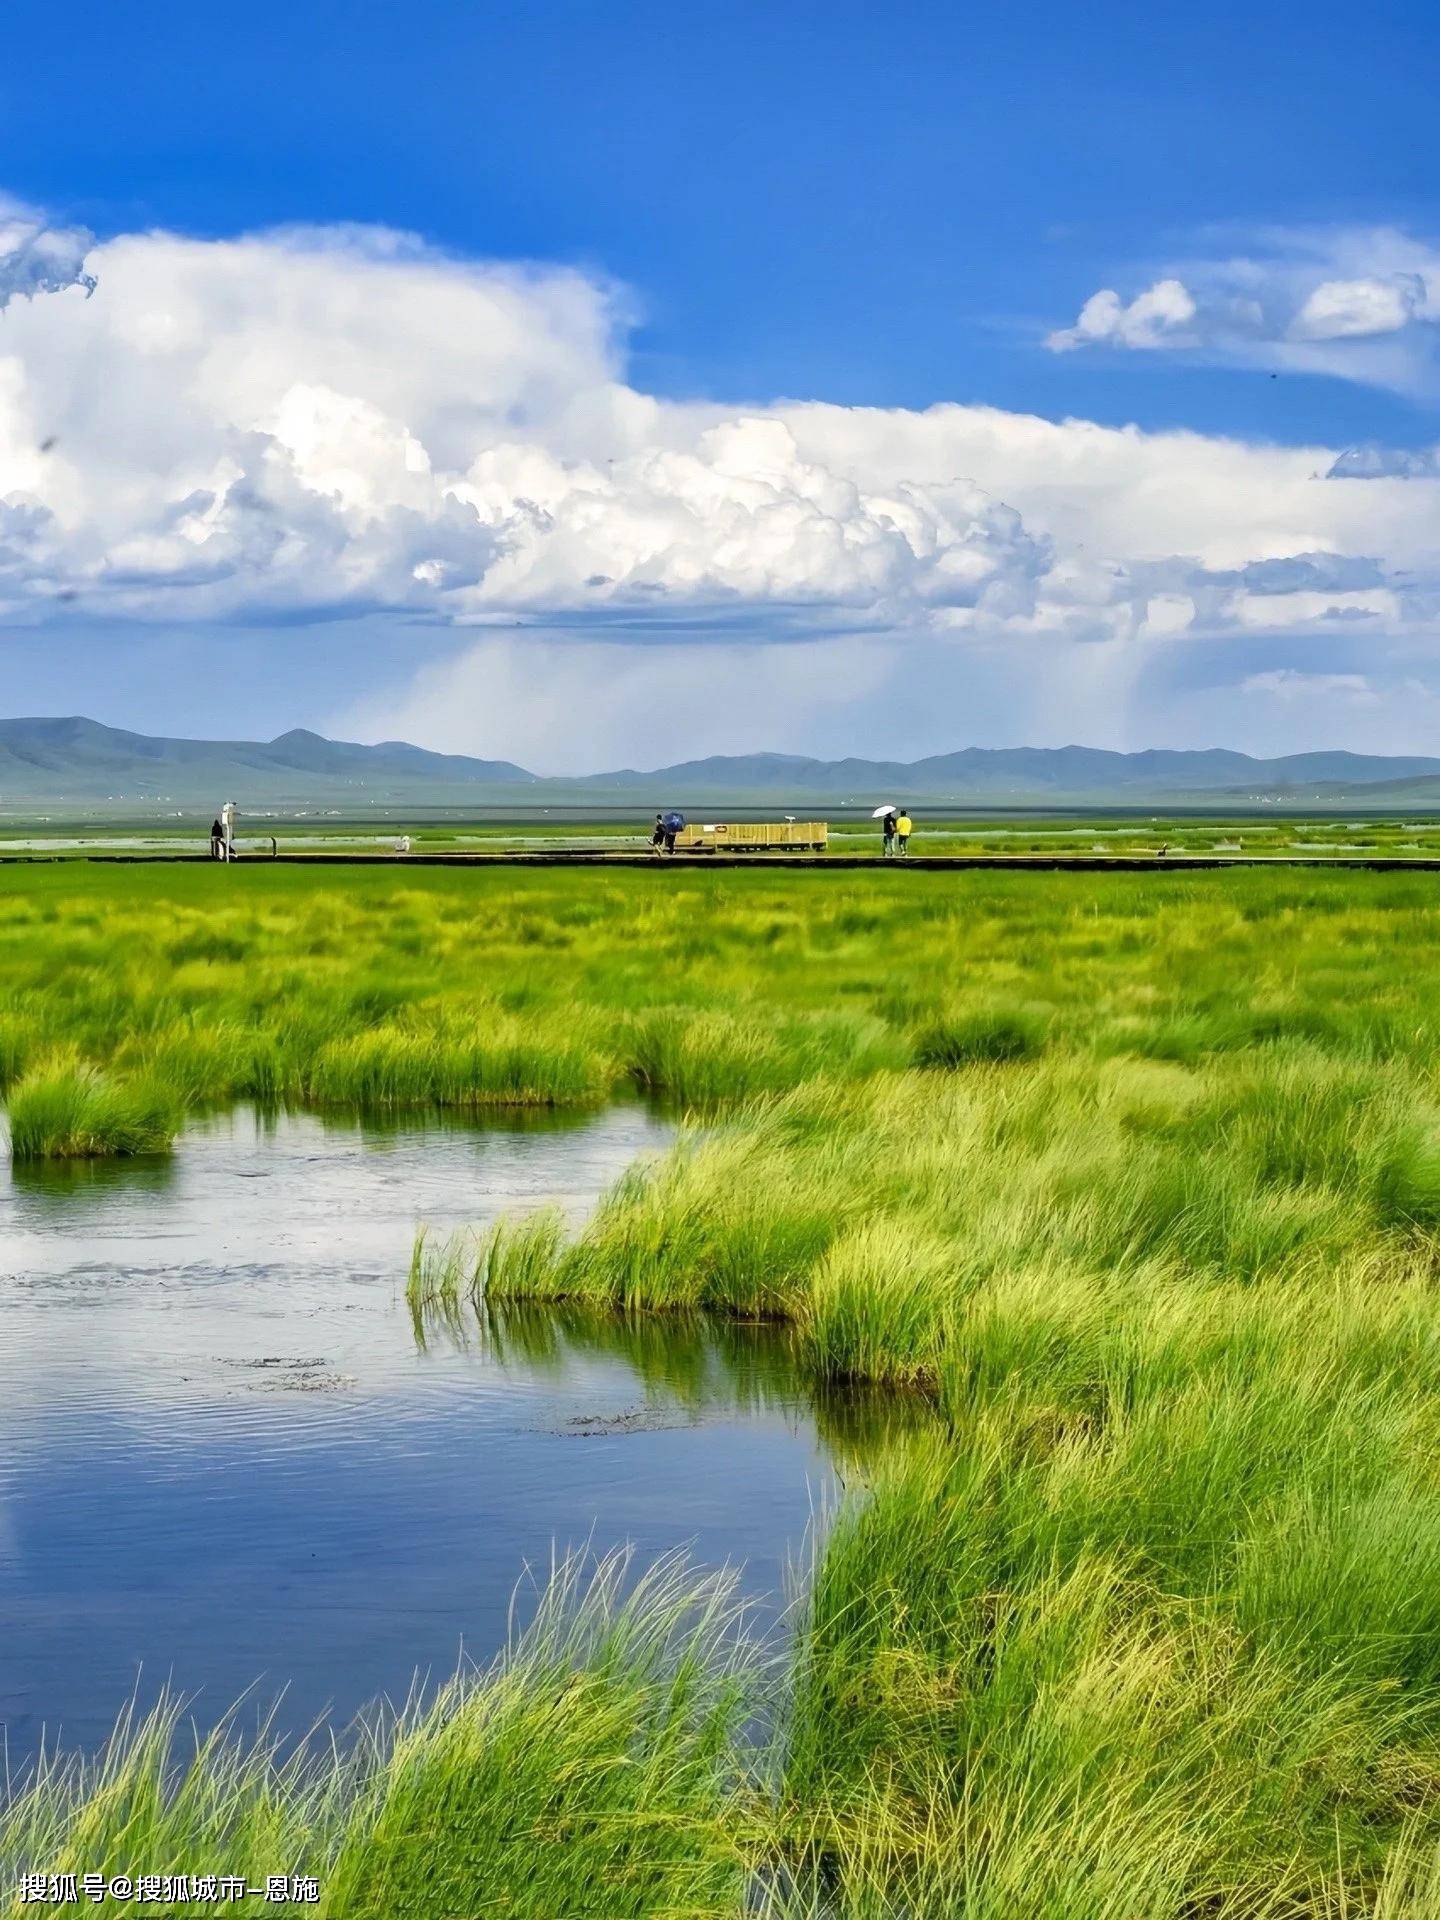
(810,862)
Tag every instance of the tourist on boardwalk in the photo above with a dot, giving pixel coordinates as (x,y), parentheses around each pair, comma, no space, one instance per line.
(657,838)
(887,827)
(904,827)
(217,840)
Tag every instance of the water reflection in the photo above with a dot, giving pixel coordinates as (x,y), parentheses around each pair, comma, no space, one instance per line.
(225,1459)
(699,1362)
(75,1184)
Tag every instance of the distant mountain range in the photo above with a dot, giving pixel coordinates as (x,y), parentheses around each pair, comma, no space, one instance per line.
(67,761)
(1027,774)
(79,763)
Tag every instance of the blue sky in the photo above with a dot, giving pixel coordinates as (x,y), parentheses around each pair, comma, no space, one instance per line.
(878,208)
(877,205)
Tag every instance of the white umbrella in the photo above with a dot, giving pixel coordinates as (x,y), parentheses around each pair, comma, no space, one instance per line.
(887,808)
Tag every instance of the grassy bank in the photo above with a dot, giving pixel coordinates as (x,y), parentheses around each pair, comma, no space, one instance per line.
(594,1770)
(1151,1615)
(1129,1186)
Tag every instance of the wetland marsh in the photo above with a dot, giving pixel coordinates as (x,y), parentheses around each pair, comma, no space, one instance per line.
(1121,1191)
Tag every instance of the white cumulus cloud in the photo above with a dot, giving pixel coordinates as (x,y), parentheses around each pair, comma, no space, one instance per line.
(1360,303)
(1158,317)
(320,422)
(343,424)
(1353,309)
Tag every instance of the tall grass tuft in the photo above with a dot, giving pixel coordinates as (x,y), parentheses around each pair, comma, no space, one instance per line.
(518,1259)
(66,1111)
(878,1304)
(980,1034)
(504,1063)
(594,1769)
(443,1275)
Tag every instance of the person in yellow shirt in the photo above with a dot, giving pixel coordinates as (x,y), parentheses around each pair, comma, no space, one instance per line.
(904,827)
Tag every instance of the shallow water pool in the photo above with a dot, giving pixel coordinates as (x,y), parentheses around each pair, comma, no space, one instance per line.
(227,1462)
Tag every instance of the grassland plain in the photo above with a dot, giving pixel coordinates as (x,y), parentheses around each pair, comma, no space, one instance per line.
(1128,1186)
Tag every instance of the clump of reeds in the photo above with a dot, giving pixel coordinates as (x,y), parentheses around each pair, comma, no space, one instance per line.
(440,1275)
(502,1063)
(704,1056)
(980,1034)
(69,1111)
(206,1062)
(518,1259)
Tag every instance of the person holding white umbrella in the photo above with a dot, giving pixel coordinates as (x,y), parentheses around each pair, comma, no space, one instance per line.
(886,815)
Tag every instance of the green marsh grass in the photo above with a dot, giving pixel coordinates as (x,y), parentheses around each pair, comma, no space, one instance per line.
(477,988)
(1126,1189)
(441,1274)
(1148,1614)
(65,1111)
(499,1062)
(1005,1033)
(901,1197)
(594,1769)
